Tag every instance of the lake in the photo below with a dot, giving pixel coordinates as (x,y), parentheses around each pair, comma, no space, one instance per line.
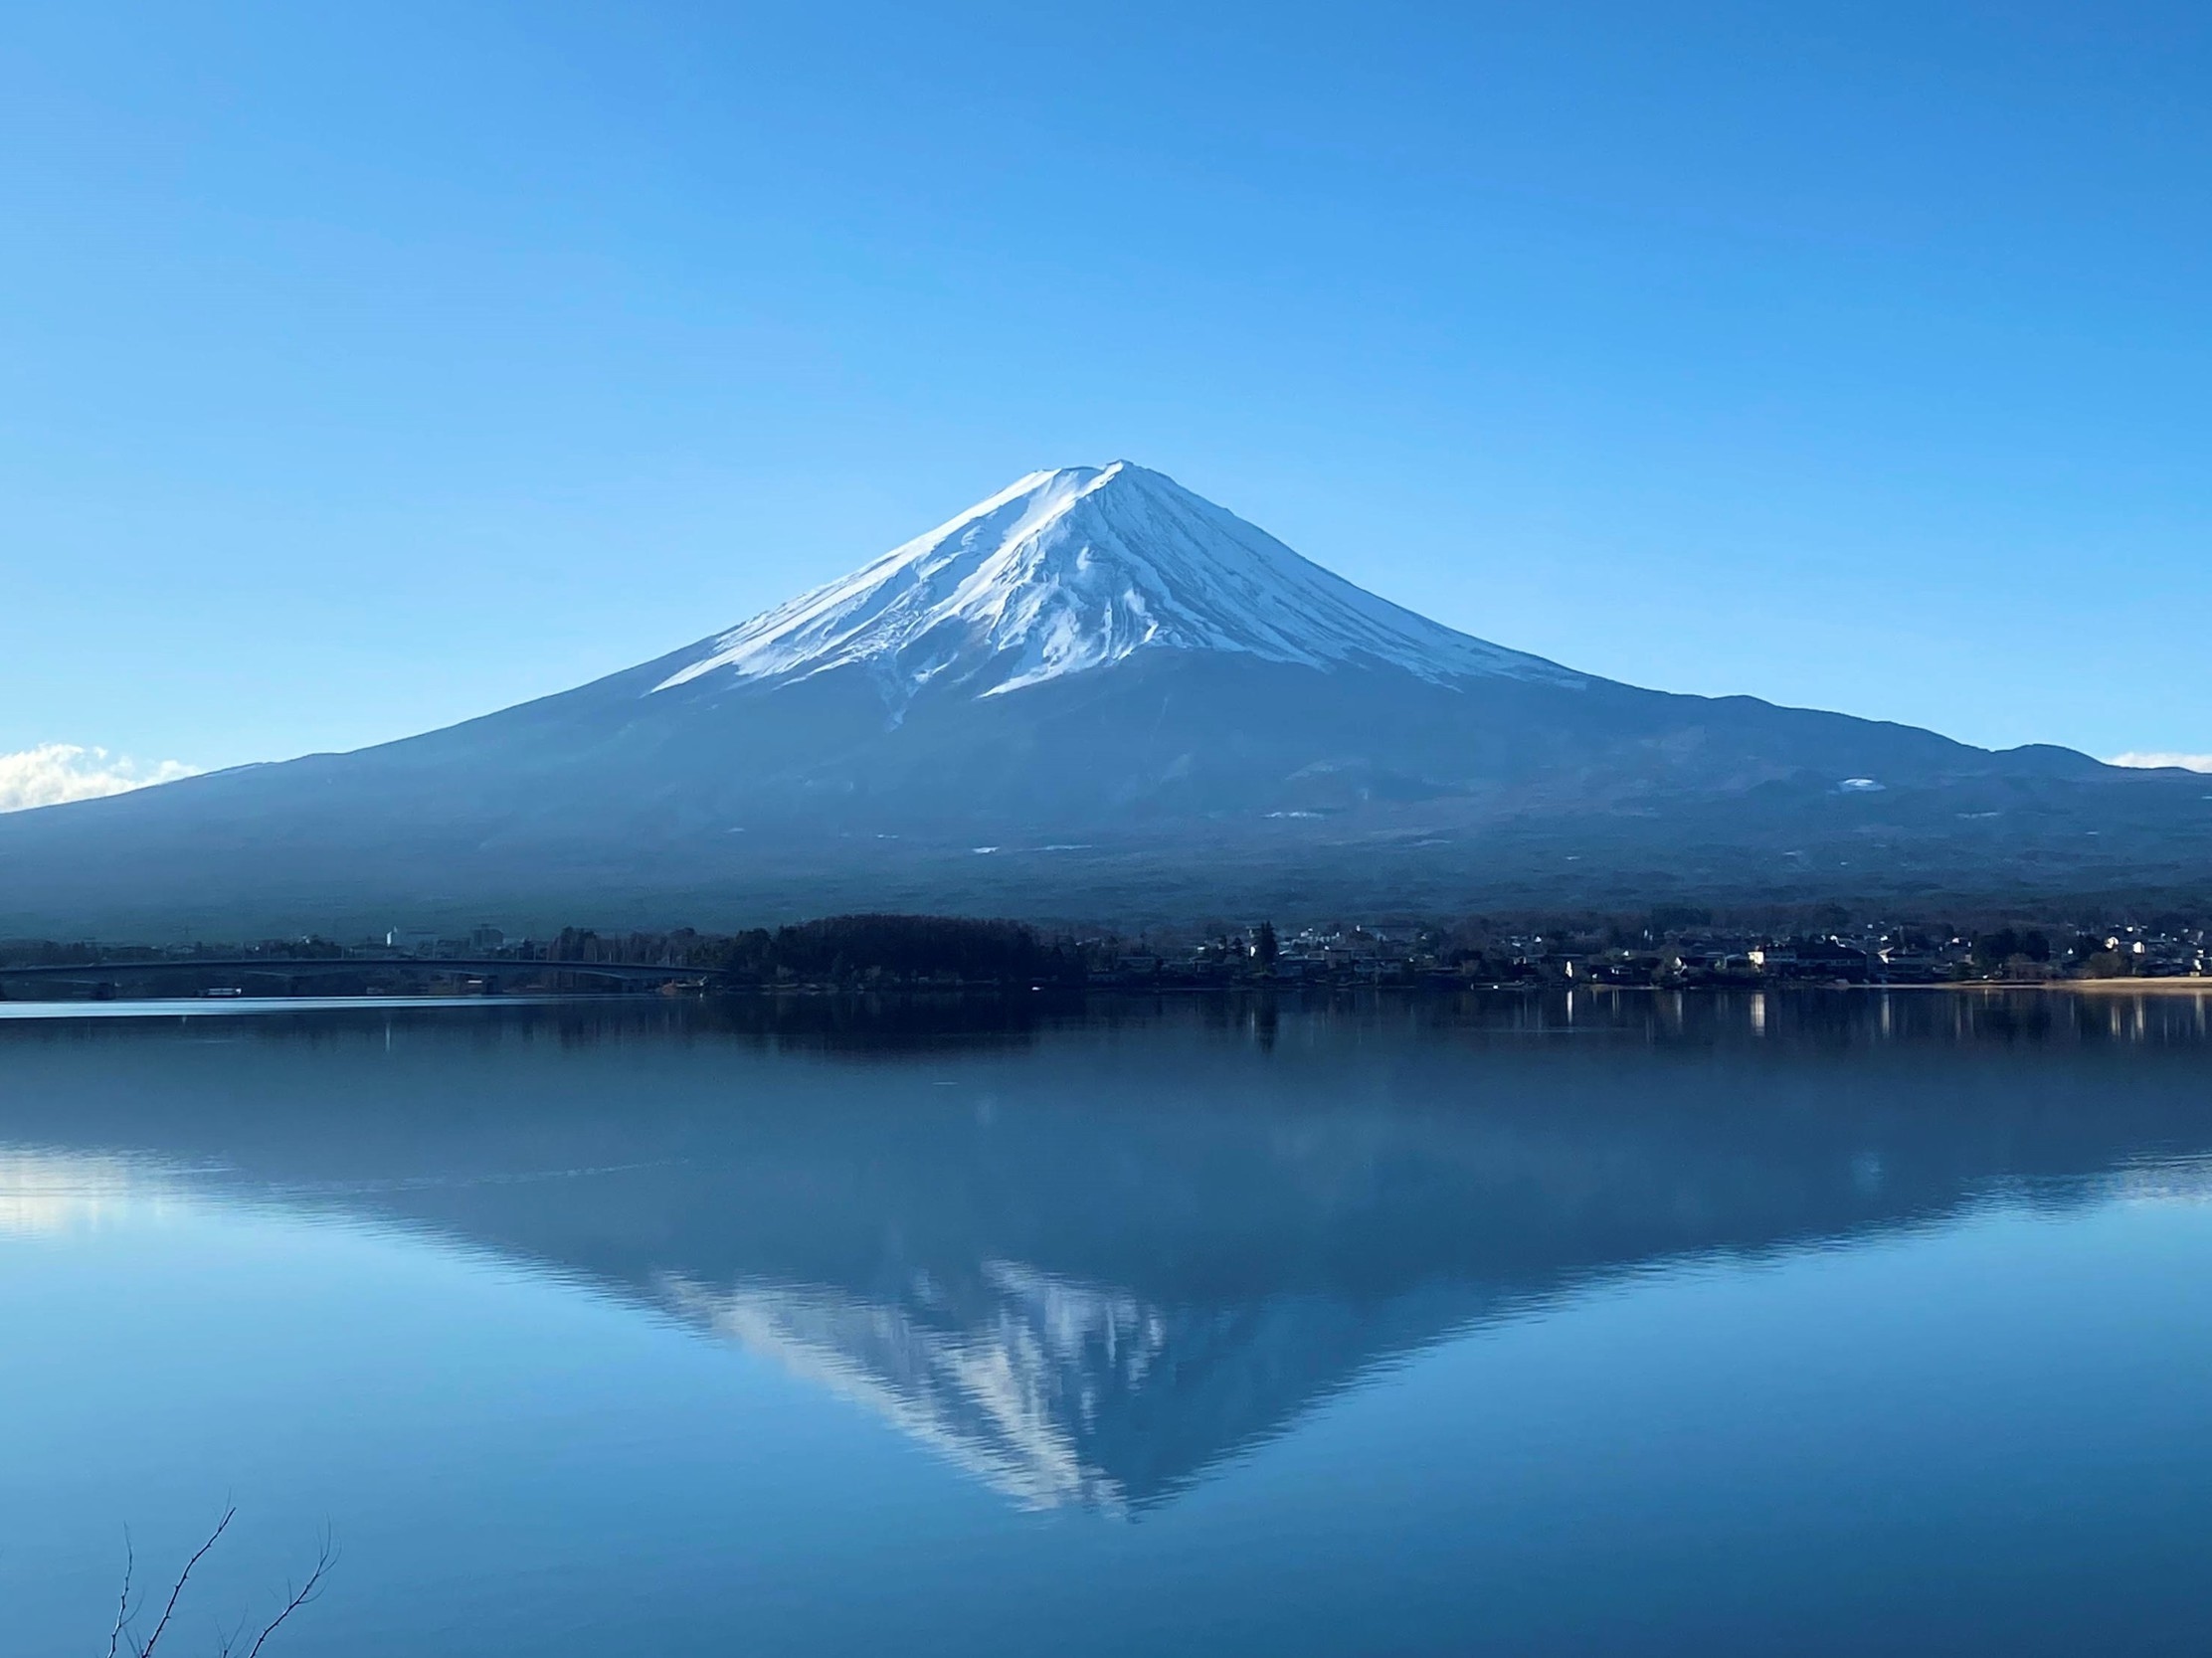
(1639,1324)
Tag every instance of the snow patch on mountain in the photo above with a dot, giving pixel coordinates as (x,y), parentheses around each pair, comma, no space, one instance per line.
(1066,571)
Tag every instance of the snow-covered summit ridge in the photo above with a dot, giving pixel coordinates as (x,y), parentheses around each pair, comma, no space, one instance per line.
(1066,571)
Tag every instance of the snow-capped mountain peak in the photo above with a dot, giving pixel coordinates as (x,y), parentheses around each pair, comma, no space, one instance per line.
(1066,571)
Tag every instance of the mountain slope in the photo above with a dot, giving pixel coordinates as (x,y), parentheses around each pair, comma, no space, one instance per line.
(1093,694)
(1063,571)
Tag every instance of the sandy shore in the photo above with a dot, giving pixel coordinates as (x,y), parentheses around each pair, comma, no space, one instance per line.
(2072,986)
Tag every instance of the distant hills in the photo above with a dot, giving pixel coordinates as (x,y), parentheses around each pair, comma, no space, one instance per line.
(1095,695)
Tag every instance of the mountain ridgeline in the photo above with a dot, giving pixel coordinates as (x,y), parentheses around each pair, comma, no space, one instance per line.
(1096,695)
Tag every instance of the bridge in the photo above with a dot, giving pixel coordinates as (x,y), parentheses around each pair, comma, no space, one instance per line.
(285,966)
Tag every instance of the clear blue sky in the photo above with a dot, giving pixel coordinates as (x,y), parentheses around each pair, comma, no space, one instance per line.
(365,368)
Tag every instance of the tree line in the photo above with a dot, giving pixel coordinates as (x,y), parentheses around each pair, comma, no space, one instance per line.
(877,948)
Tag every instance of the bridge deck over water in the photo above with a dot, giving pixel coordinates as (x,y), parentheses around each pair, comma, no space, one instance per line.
(289,967)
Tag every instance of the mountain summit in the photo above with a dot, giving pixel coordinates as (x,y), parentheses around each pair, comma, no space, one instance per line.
(1094,695)
(1067,571)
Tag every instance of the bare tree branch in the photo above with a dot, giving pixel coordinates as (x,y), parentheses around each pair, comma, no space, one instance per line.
(184,1576)
(123,1638)
(122,1601)
(324,1560)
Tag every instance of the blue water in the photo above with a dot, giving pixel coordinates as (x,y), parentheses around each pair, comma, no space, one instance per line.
(1823,1324)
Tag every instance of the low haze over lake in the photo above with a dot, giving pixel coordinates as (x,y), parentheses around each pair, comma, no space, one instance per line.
(1640,1324)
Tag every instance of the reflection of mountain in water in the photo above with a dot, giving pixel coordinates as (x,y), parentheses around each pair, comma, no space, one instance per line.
(1009,1382)
(1056,1392)
(1093,1258)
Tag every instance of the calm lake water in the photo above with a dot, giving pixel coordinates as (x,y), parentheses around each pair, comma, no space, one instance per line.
(1820,1324)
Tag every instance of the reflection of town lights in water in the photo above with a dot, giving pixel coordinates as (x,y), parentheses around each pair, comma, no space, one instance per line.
(1759,1012)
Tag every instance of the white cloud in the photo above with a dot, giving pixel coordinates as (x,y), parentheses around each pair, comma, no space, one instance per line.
(2187,762)
(56,772)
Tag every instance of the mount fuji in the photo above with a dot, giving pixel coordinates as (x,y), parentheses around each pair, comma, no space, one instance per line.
(1063,571)
(1094,694)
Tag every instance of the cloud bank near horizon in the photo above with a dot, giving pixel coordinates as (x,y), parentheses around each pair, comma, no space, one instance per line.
(2187,762)
(54,773)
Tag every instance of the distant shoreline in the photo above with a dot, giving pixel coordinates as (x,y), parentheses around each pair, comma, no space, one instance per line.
(2092,987)
(199,1006)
